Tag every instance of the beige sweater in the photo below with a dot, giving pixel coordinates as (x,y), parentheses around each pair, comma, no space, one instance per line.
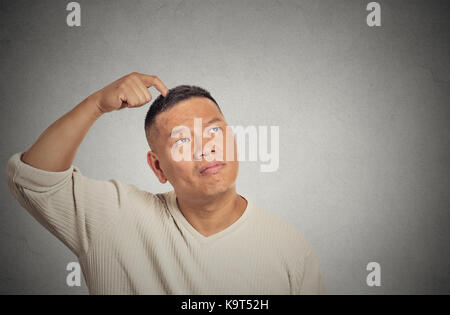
(130,241)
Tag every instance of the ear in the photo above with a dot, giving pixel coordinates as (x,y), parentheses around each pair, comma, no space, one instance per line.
(153,162)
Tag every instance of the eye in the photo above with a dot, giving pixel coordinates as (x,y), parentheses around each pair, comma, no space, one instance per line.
(214,129)
(182,140)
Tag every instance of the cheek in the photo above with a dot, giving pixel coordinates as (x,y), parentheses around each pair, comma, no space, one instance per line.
(181,171)
(234,170)
(229,148)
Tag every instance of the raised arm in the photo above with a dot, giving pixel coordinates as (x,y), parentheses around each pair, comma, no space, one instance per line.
(55,149)
(73,207)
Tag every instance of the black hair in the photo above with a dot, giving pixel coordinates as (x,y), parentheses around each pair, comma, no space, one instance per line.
(174,96)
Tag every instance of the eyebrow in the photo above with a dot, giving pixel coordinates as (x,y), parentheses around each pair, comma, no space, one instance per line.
(177,130)
(215,119)
(180,128)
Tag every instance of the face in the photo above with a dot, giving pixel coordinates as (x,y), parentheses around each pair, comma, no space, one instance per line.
(180,132)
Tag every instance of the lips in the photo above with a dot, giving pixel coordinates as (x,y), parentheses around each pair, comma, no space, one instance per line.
(211,168)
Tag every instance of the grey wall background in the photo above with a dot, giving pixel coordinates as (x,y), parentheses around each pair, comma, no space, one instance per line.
(363,115)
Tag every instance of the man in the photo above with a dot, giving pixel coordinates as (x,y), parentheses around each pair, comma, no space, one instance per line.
(201,238)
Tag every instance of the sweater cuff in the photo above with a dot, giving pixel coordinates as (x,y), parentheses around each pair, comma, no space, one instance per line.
(33,178)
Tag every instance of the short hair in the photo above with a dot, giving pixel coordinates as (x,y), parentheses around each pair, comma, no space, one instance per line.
(173,97)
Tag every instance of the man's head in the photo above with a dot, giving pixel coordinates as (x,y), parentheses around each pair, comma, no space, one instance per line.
(169,128)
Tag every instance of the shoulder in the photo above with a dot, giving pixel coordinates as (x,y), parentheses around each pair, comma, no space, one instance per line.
(136,198)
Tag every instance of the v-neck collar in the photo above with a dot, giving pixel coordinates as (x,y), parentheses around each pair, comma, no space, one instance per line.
(180,219)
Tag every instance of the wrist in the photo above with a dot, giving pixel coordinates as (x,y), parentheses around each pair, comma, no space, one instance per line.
(93,104)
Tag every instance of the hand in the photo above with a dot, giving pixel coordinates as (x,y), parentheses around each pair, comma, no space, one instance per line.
(129,91)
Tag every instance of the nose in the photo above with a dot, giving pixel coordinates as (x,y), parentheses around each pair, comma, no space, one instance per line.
(200,151)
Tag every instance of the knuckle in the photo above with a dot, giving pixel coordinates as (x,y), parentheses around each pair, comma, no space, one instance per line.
(121,89)
(131,77)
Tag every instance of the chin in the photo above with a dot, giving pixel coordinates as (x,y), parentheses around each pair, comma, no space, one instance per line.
(217,189)
(216,184)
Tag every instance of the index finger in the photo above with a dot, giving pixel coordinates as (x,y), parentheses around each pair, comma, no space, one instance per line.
(153,80)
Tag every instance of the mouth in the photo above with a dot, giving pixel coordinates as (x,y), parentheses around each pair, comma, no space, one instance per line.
(211,168)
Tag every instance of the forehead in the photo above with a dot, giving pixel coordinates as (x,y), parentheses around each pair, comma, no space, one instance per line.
(184,113)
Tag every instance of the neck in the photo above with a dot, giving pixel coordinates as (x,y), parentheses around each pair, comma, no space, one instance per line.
(212,215)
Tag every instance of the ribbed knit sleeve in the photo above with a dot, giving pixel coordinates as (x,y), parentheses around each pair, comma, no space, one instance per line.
(309,279)
(71,206)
